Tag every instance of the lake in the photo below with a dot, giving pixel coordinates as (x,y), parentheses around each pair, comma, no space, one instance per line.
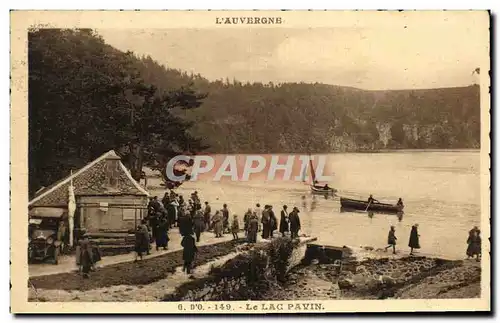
(440,189)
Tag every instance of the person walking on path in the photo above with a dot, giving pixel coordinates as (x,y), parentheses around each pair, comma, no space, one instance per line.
(253,227)
(141,240)
(235,227)
(161,234)
(414,242)
(294,223)
(198,224)
(246,220)
(225,219)
(85,256)
(284,221)
(189,252)
(207,215)
(391,240)
(217,224)
(474,244)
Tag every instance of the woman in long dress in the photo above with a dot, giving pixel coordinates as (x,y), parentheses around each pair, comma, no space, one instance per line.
(414,242)
(217,224)
(474,244)
(141,240)
(161,234)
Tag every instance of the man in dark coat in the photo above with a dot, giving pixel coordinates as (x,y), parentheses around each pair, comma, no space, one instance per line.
(284,220)
(294,223)
(207,214)
(273,221)
(198,224)
(253,227)
(265,222)
(225,219)
(172,213)
(186,225)
(161,234)
(189,252)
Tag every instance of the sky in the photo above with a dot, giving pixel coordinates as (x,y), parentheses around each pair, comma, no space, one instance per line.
(406,57)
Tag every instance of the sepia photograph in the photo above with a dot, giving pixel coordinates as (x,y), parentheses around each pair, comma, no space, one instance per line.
(250,161)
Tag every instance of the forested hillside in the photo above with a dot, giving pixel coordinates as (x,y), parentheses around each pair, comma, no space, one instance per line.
(86,97)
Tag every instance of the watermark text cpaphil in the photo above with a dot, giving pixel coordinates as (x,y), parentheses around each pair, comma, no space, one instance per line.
(248,167)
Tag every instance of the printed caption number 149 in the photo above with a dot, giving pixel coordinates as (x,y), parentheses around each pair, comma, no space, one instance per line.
(200,307)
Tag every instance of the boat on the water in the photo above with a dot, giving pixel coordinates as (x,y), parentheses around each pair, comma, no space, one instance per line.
(351,204)
(316,188)
(320,190)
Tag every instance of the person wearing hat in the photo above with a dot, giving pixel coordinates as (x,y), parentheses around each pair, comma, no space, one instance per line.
(235,227)
(85,256)
(414,242)
(474,244)
(253,227)
(294,223)
(391,240)
(284,220)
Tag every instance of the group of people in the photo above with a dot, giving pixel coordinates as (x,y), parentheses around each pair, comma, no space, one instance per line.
(473,241)
(413,243)
(289,222)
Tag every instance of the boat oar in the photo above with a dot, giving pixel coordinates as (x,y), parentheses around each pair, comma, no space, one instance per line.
(368,206)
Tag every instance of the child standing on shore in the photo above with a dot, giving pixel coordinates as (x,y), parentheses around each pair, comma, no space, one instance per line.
(391,240)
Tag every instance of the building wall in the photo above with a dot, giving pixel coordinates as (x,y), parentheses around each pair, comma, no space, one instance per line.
(96,219)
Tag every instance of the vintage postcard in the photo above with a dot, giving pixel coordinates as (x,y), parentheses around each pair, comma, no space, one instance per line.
(250,161)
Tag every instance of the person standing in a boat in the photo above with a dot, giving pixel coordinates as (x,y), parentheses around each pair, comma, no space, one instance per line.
(371,200)
(400,202)
(414,242)
(284,221)
(391,240)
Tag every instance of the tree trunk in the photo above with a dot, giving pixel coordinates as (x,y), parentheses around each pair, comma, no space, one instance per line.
(136,161)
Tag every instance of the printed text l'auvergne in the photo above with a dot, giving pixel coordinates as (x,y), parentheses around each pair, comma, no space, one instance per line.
(248,20)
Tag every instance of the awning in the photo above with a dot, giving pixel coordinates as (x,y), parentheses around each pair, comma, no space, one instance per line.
(47,212)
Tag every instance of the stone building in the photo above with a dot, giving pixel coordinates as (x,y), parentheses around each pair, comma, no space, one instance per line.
(107,197)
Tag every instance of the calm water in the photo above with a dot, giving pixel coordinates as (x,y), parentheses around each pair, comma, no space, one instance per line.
(441,191)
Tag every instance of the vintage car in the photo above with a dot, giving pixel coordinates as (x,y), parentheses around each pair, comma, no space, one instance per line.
(43,235)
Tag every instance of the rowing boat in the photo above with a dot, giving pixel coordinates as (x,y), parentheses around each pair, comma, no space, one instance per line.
(320,190)
(351,204)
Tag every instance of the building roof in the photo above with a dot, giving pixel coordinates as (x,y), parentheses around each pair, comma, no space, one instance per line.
(91,180)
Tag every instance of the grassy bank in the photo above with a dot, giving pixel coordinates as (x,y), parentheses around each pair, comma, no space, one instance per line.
(246,276)
(130,273)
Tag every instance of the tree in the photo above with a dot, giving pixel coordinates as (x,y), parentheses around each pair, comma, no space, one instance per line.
(86,97)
